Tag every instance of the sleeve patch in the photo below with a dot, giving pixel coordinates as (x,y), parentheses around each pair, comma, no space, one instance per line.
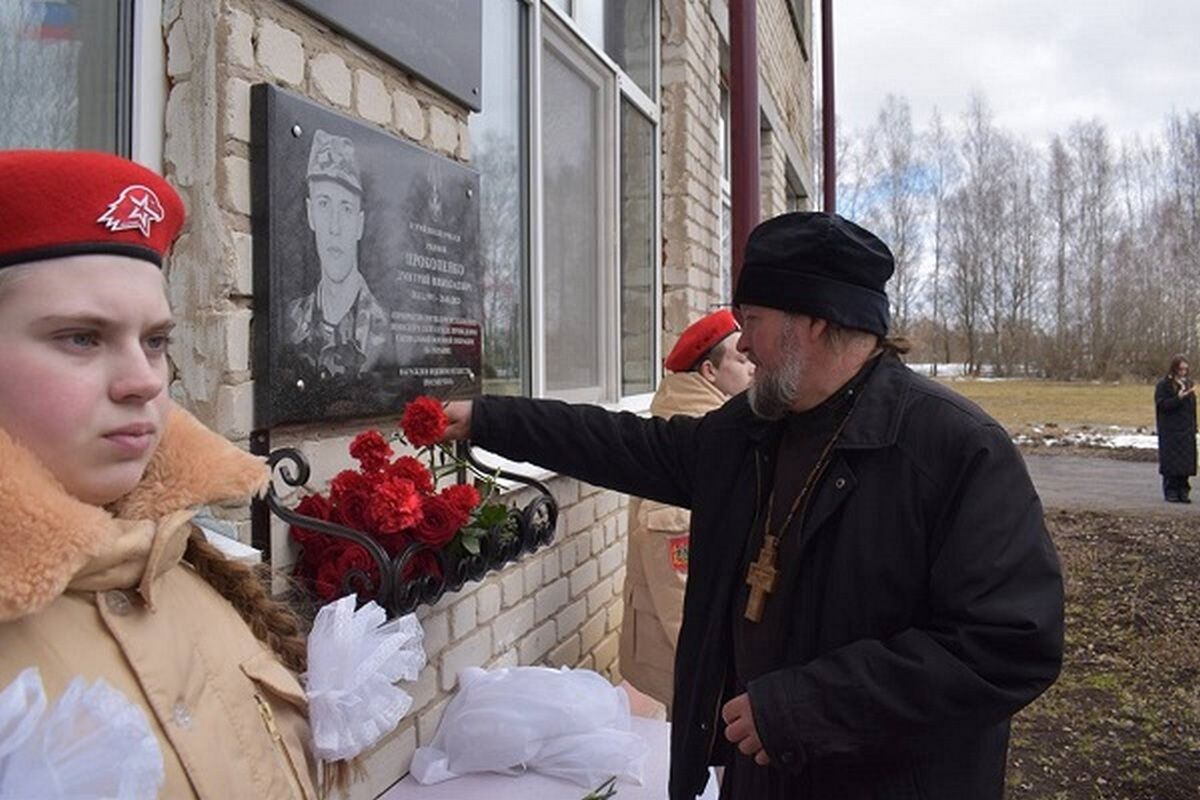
(677,551)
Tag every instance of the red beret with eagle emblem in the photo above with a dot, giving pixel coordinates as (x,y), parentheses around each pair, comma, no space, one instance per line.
(700,337)
(56,203)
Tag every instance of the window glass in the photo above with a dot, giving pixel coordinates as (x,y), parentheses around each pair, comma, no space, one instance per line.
(637,251)
(65,74)
(726,197)
(624,29)
(629,39)
(498,152)
(571,116)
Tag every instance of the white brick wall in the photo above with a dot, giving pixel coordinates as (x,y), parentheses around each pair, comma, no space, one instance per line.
(280,52)
(443,131)
(371,97)
(239,43)
(331,78)
(410,117)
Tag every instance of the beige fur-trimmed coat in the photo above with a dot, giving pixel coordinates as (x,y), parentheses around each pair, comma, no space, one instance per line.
(103,593)
(657,559)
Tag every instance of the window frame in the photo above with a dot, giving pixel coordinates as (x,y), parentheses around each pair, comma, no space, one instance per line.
(149,85)
(545,17)
(573,50)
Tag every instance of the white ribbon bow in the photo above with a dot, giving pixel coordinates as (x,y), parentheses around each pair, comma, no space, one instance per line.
(354,659)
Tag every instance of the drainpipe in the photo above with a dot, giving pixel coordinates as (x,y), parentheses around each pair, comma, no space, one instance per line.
(828,131)
(743,125)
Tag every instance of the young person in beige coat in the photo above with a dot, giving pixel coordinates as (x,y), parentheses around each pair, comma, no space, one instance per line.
(705,369)
(103,575)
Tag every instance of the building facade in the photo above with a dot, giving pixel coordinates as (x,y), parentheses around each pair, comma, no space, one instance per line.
(602,147)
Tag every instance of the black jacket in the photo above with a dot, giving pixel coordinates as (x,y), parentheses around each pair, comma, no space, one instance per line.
(930,608)
(1175,420)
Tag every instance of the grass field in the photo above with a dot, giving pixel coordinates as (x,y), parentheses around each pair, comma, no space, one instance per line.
(1021,404)
(1123,720)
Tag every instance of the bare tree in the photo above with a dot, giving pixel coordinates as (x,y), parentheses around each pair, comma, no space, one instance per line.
(1059,192)
(1089,147)
(1180,218)
(856,170)
(979,221)
(1080,260)
(942,168)
(896,213)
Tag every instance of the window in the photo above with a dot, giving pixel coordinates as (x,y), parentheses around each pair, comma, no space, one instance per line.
(498,143)
(66,74)
(567,147)
(575,157)
(638,169)
(796,200)
(726,193)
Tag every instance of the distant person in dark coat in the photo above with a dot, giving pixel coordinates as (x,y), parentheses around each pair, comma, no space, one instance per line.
(1175,415)
(872,592)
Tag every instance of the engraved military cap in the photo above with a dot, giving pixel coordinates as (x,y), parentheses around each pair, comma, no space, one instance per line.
(332,157)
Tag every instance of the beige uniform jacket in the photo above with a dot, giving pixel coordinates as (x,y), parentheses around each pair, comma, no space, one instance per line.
(100,593)
(656,564)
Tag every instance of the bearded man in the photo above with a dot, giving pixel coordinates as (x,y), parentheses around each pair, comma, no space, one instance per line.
(872,592)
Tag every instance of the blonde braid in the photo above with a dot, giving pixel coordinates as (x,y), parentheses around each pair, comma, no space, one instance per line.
(273,623)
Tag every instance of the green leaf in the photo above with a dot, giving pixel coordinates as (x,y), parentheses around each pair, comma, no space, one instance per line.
(489,516)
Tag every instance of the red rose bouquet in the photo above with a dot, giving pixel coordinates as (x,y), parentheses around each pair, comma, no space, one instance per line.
(396,501)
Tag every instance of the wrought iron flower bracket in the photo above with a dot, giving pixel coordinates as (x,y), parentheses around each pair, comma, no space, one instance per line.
(534,523)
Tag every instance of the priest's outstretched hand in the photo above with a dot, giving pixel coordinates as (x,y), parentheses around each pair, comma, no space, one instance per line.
(458,412)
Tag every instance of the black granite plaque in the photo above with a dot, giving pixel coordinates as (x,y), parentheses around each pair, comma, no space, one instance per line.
(367,287)
(439,40)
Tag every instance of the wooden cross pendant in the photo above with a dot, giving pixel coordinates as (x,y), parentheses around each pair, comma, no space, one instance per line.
(761,578)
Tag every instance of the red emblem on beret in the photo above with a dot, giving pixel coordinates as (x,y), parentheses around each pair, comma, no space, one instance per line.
(134,209)
(699,338)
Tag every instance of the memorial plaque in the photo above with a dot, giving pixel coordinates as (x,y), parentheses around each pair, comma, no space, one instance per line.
(439,40)
(367,279)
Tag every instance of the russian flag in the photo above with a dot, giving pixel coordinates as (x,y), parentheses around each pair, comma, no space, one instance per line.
(54,20)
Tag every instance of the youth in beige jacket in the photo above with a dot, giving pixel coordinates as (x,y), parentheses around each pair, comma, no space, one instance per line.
(104,593)
(657,561)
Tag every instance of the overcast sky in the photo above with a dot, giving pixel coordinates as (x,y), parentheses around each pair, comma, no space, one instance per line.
(1041,65)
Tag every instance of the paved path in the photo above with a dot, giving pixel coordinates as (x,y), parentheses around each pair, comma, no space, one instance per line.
(1103,484)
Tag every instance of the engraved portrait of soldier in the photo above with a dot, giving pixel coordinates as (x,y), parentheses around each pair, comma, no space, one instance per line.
(338,330)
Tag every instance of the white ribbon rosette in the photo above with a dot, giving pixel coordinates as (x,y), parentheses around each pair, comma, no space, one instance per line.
(93,742)
(355,657)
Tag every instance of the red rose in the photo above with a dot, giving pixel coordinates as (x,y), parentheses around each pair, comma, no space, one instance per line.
(349,494)
(411,469)
(463,496)
(393,543)
(421,563)
(327,583)
(338,562)
(357,558)
(371,450)
(424,422)
(311,505)
(394,506)
(440,522)
(312,543)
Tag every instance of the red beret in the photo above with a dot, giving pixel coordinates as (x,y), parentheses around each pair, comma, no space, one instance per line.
(699,338)
(58,203)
